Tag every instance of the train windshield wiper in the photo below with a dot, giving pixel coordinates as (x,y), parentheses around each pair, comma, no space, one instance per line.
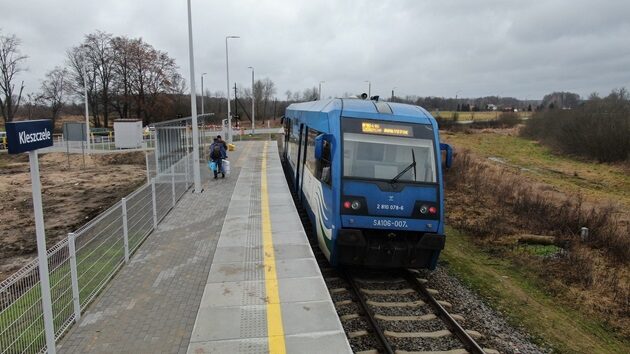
(411,165)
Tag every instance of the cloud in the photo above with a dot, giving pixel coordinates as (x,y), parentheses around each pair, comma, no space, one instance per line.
(488,47)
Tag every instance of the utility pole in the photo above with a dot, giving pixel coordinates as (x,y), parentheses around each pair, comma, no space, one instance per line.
(275,100)
(227,75)
(253,108)
(235,105)
(193,107)
(393,94)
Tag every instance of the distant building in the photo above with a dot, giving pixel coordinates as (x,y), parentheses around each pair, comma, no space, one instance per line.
(491,107)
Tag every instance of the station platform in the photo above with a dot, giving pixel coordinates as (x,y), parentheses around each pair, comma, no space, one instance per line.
(265,293)
(229,270)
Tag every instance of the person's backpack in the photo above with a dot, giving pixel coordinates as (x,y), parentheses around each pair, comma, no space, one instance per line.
(216,152)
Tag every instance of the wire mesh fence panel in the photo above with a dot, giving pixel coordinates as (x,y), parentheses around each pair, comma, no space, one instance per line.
(21,319)
(101,256)
(99,247)
(60,287)
(139,216)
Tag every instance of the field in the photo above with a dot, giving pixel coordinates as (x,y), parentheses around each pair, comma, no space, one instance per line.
(71,197)
(474,116)
(571,294)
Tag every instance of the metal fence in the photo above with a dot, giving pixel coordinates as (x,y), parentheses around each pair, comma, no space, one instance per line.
(83,263)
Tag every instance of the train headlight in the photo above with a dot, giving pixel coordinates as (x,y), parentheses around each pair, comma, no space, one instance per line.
(424,209)
(355,205)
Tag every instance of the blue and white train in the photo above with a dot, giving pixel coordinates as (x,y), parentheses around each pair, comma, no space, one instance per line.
(369,175)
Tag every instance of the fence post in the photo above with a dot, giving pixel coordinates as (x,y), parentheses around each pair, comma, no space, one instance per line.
(154,204)
(173,183)
(74,277)
(146,161)
(123,202)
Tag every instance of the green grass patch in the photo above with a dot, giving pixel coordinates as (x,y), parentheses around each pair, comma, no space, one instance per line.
(598,180)
(519,294)
(539,250)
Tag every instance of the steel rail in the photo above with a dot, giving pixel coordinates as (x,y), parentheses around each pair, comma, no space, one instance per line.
(376,328)
(469,343)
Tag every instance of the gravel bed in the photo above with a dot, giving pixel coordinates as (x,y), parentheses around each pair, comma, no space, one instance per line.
(413,326)
(402,311)
(348,309)
(498,334)
(395,298)
(426,344)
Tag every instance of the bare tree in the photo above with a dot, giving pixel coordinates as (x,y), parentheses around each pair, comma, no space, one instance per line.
(269,89)
(10,64)
(100,54)
(310,94)
(53,91)
(78,68)
(121,89)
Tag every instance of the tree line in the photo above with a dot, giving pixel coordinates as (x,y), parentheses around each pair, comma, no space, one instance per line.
(123,77)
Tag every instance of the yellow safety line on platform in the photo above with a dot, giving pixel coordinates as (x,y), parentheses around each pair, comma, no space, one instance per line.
(275,329)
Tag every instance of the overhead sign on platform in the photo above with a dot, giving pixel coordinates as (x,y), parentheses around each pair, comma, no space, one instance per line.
(29,135)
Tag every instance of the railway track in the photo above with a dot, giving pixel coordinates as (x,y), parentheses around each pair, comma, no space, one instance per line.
(392,311)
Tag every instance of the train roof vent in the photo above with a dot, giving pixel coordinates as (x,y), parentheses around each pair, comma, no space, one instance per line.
(383,107)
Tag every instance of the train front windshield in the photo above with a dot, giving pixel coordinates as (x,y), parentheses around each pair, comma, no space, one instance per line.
(386,151)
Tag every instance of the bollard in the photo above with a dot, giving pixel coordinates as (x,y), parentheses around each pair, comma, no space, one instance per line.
(74,277)
(173,183)
(123,202)
(154,204)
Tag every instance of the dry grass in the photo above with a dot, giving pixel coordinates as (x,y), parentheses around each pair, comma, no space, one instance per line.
(496,204)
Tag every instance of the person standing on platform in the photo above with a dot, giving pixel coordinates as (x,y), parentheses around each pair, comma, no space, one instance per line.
(217,155)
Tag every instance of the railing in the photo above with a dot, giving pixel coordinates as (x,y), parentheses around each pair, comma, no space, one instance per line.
(82,264)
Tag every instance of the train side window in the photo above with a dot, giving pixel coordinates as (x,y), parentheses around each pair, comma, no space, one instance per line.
(324,168)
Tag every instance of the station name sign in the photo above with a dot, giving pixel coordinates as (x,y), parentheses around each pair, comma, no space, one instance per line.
(386,129)
(29,135)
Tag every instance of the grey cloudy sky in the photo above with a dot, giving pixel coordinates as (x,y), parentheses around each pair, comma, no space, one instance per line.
(428,48)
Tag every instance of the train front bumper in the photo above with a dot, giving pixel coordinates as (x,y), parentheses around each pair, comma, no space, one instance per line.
(375,248)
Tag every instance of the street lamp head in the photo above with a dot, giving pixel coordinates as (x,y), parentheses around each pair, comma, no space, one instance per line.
(232,37)
(204,74)
(250,67)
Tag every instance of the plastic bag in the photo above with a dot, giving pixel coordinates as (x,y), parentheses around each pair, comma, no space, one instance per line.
(212,166)
(226,166)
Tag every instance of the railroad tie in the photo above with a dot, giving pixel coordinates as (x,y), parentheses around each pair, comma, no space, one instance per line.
(457,317)
(343,302)
(444,303)
(371,351)
(436,334)
(380,281)
(416,303)
(349,317)
(474,334)
(387,292)
(338,290)
(426,317)
(356,334)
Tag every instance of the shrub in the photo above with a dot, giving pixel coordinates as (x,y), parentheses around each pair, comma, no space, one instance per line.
(598,129)
(508,119)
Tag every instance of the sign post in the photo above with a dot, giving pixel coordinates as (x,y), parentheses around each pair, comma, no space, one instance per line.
(29,136)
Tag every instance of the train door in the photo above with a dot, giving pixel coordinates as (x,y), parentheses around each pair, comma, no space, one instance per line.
(304,147)
(300,160)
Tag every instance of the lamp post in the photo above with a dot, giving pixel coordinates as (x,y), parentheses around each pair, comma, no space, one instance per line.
(87,115)
(253,108)
(369,89)
(320,89)
(393,93)
(227,74)
(202,94)
(193,107)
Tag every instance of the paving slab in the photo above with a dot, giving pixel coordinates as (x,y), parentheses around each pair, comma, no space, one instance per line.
(233,312)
